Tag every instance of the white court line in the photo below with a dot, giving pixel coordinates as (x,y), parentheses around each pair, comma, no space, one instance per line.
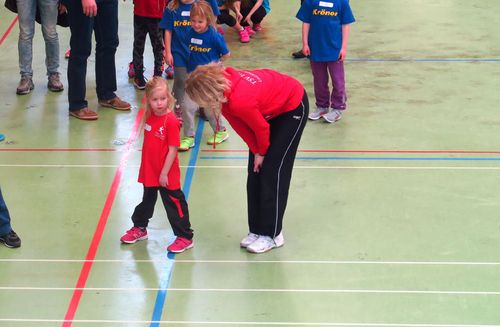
(308,262)
(245,167)
(250,323)
(250,290)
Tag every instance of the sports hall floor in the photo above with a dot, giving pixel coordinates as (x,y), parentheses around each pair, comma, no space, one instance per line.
(393,215)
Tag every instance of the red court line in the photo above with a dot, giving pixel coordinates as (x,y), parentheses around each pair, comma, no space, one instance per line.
(373,151)
(8,30)
(58,150)
(103,219)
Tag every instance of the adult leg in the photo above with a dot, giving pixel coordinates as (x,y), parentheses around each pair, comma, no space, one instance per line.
(177,212)
(5,227)
(144,210)
(26,15)
(338,97)
(253,197)
(106,35)
(48,14)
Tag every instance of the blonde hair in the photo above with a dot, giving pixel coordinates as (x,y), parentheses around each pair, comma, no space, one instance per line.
(173,5)
(204,10)
(206,86)
(154,84)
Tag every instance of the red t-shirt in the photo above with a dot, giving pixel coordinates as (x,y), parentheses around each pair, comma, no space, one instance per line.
(255,97)
(159,133)
(149,8)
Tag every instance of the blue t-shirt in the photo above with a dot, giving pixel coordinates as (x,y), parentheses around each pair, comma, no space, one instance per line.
(205,48)
(178,22)
(326,18)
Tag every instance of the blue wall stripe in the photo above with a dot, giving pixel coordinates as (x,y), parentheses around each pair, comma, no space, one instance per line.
(161,295)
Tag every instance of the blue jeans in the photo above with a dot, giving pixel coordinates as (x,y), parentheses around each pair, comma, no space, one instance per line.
(105,27)
(5,227)
(48,14)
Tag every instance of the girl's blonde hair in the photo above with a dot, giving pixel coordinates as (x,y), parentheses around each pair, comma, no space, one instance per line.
(173,5)
(154,84)
(206,86)
(203,9)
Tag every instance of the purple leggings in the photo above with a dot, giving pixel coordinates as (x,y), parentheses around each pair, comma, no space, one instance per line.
(320,70)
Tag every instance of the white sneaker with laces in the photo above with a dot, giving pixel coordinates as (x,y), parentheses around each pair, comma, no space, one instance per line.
(318,113)
(249,239)
(266,243)
(333,116)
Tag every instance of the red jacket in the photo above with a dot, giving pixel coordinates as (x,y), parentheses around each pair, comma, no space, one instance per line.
(255,97)
(149,8)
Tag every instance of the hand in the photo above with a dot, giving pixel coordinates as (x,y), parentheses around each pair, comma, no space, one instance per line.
(62,9)
(163,180)
(89,8)
(169,59)
(239,16)
(257,162)
(342,54)
(305,50)
(249,20)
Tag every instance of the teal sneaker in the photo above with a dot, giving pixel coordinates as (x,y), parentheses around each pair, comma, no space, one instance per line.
(2,137)
(187,142)
(218,137)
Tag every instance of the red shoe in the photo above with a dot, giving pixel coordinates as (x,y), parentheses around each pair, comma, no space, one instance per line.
(180,244)
(220,30)
(249,30)
(131,71)
(133,235)
(257,27)
(244,38)
(169,71)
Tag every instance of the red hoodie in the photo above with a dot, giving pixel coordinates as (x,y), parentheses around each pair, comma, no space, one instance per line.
(255,97)
(149,8)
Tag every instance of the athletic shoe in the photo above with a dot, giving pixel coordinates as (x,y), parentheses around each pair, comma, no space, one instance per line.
(333,116)
(187,142)
(220,30)
(169,71)
(54,83)
(318,113)
(266,243)
(131,71)
(11,240)
(249,239)
(249,30)
(2,137)
(67,54)
(244,38)
(257,27)
(25,85)
(140,82)
(218,137)
(134,234)
(180,244)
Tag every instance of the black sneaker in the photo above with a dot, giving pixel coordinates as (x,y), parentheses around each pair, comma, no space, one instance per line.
(140,82)
(299,55)
(11,240)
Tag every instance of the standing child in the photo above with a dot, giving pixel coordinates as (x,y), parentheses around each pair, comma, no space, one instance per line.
(325,31)
(176,22)
(159,171)
(147,15)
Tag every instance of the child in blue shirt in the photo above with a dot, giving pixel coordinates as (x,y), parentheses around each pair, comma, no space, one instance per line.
(325,31)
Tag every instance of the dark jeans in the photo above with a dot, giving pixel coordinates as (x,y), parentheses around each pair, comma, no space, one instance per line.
(5,227)
(105,27)
(257,16)
(226,18)
(142,27)
(175,205)
(267,190)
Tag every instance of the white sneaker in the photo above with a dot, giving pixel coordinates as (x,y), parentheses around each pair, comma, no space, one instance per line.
(333,116)
(266,243)
(249,239)
(318,113)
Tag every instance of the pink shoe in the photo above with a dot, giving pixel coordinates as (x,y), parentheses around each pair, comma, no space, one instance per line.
(180,244)
(244,38)
(131,71)
(169,71)
(257,27)
(133,235)
(249,30)
(220,30)
(67,54)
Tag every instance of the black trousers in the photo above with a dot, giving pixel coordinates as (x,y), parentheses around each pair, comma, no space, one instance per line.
(226,18)
(175,205)
(142,27)
(267,190)
(257,16)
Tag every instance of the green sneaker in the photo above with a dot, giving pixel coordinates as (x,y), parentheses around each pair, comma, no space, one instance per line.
(187,142)
(218,137)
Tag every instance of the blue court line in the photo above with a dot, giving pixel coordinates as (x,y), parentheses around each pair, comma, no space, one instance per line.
(362,158)
(161,295)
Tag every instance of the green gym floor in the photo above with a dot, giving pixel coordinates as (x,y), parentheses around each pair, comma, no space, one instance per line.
(393,214)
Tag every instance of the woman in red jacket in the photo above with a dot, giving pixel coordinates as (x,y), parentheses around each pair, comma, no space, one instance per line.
(269,111)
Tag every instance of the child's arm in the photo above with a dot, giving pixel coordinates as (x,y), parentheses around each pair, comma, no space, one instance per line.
(169,159)
(257,5)
(305,39)
(236,8)
(224,57)
(345,36)
(169,59)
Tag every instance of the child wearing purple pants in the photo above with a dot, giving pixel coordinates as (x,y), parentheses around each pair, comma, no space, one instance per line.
(325,30)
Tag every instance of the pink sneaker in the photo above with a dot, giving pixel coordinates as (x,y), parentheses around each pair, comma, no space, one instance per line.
(131,71)
(133,235)
(180,244)
(220,30)
(244,38)
(257,27)
(249,30)
(67,54)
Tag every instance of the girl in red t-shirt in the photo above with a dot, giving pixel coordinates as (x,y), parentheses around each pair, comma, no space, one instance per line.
(269,111)
(160,171)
